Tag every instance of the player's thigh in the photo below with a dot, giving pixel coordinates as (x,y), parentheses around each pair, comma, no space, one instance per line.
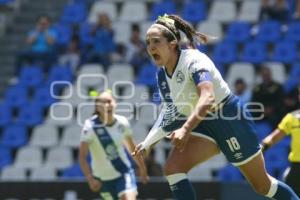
(126,186)
(107,191)
(128,196)
(197,150)
(292,177)
(256,174)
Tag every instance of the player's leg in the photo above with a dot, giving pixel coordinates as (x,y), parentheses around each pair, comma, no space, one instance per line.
(256,174)
(107,191)
(237,140)
(128,196)
(126,186)
(292,177)
(197,150)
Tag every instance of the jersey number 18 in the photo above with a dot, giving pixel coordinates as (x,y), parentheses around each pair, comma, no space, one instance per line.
(233,144)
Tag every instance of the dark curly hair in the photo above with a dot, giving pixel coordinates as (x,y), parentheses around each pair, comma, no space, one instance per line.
(181,25)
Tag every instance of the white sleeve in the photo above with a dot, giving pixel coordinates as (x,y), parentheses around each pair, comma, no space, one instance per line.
(156,133)
(127,128)
(87,132)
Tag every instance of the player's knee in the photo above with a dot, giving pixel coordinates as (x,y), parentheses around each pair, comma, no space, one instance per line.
(128,196)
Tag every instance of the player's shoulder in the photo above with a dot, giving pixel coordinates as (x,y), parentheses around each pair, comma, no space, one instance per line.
(189,54)
(194,56)
(294,114)
(121,119)
(89,122)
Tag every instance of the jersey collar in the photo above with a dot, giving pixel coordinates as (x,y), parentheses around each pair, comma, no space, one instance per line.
(178,57)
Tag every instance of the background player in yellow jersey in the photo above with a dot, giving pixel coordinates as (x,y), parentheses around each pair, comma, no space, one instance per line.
(289,126)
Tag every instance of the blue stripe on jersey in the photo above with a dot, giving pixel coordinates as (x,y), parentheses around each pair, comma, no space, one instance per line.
(201,75)
(172,119)
(109,147)
(132,162)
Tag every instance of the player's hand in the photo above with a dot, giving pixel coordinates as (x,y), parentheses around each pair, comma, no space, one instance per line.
(139,150)
(94,184)
(179,138)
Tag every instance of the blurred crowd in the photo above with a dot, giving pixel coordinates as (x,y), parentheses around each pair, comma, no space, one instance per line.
(95,43)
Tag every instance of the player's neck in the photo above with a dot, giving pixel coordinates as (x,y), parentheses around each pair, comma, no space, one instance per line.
(171,65)
(107,119)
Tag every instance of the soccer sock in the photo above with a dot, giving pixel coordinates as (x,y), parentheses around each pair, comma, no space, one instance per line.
(181,187)
(281,191)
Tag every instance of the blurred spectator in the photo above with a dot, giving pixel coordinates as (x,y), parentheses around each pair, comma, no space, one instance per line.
(242,91)
(41,44)
(72,55)
(291,100)
(120,55)
(270,94)
(274,10)
(297,11)
(103,44)
(136,49)
(154,169)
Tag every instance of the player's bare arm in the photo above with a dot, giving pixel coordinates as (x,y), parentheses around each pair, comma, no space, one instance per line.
(205,102)
(94,184)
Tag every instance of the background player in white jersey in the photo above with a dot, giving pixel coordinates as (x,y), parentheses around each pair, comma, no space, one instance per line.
(200,114)
(105,136)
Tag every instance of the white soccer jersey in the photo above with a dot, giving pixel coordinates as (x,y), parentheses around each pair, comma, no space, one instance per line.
(179,92)
(182,84)
(109,157)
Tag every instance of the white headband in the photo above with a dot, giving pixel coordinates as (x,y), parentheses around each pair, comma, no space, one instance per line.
(167,29)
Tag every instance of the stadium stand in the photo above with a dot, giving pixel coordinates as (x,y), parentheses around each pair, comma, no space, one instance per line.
(27,125)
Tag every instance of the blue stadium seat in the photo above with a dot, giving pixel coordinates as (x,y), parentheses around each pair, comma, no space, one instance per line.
(293,32)
(202,48)
(14,136)
(276,158)
(295,70)
(5,157)
(162,7)
(285,52)
(42,96)
(5,115)
(229,173)
(238,32)
(72,172)
(254,52)
(263,129)
(16,96)
(225,53)
(74,13)
(60,73)
(147,75)
(84,33)
(194,12)
(4,2)
(30,115)
(221,68)
(285,143)
(269,31)
(31,76)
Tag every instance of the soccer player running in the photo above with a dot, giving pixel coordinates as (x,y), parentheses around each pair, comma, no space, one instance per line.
(105,135)
(289,126)
(201,115)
